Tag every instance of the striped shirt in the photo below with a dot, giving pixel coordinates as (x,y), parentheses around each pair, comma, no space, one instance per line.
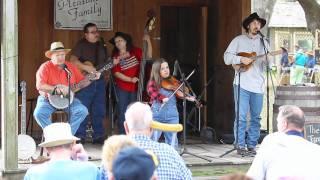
(130,67)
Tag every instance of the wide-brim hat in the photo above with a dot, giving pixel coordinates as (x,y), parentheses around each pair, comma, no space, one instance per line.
(250,18)
(125,36)
(56,47)
(284,48)
(57,134)
(310,53)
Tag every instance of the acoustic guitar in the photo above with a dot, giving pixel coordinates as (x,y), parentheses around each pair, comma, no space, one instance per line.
(254,57)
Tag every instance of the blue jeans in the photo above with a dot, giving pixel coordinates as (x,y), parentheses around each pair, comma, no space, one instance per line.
(168,114)
(94,98)
(42,113)
(124,99)
(253,102)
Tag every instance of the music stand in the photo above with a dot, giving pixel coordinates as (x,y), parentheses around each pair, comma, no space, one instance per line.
(183,85)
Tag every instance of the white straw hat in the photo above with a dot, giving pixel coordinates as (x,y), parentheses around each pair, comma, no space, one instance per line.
(56,47)
(57,134)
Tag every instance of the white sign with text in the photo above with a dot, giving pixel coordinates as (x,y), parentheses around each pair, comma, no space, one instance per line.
(74,14)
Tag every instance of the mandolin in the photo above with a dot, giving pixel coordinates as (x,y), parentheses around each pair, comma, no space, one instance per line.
(254,57)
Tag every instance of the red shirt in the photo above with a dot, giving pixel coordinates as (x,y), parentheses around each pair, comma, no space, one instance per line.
(51,74)
(129,67)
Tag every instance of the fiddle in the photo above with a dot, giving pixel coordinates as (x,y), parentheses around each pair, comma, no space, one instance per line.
(171,83)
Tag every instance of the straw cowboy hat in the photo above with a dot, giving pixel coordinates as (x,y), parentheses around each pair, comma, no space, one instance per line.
(57,134)
(56,47)
(310,53)
(250,18)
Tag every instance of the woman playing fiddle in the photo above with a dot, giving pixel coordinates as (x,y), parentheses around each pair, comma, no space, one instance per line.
(163,104)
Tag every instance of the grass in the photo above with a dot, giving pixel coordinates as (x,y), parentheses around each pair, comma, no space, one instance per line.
(218,170)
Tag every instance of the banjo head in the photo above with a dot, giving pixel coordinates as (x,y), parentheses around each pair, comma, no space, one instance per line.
(26,146)
(59,101)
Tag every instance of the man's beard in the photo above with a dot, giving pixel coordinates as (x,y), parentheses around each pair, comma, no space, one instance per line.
(254,31)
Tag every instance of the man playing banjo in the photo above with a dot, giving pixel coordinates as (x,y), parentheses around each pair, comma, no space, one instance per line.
(52,80)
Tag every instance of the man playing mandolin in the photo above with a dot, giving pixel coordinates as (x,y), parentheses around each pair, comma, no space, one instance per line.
(51,79)
(251,82)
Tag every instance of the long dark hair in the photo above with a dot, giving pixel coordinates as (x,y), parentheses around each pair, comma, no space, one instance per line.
(129,44)
(155,71)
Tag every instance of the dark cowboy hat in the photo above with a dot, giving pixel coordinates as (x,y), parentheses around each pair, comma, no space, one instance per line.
(125,36)
(249,19)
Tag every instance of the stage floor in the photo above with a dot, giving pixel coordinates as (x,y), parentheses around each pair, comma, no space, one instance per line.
(210,153)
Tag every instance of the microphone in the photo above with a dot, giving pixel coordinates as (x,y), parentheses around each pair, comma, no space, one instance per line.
(260,34)
(175,68)
(65,67)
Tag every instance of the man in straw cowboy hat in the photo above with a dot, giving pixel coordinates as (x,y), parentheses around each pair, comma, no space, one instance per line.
(251,83)
(64,157)
(51,78)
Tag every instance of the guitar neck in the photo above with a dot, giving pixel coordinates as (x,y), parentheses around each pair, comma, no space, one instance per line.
(23,85)
(272,53)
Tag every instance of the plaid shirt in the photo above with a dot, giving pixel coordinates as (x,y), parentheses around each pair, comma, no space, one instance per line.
(171,165)
(153,92)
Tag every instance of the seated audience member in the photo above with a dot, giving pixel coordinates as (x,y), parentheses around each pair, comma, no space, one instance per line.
(133,163)
(286,154)
(110,149)
(64,157)
(137,124)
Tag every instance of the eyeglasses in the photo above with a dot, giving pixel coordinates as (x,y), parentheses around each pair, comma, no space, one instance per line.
(94,32)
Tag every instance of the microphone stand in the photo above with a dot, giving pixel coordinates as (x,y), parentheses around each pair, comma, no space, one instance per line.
(267,68)
(111,89)
(184,148)
(69,94)
(237,118)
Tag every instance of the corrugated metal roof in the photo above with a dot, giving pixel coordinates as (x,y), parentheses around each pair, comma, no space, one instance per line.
(287,14)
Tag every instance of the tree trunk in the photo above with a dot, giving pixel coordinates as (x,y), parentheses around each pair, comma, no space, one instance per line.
(264,10)
(312,12)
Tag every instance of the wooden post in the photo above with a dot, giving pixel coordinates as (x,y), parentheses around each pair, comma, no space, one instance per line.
(9,84)
(204,46)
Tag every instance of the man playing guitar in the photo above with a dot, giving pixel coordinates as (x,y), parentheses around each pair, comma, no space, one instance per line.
(51,78)
(88,55)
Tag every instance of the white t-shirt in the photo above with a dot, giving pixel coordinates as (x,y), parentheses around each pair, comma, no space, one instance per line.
(283,156)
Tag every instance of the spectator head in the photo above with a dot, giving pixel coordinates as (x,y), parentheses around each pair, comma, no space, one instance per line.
(134,163)
(138,119)
(290,117)
(58,136)
(112,146)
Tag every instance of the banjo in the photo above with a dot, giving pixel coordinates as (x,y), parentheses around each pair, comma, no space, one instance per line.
(26,144)
(60,101)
